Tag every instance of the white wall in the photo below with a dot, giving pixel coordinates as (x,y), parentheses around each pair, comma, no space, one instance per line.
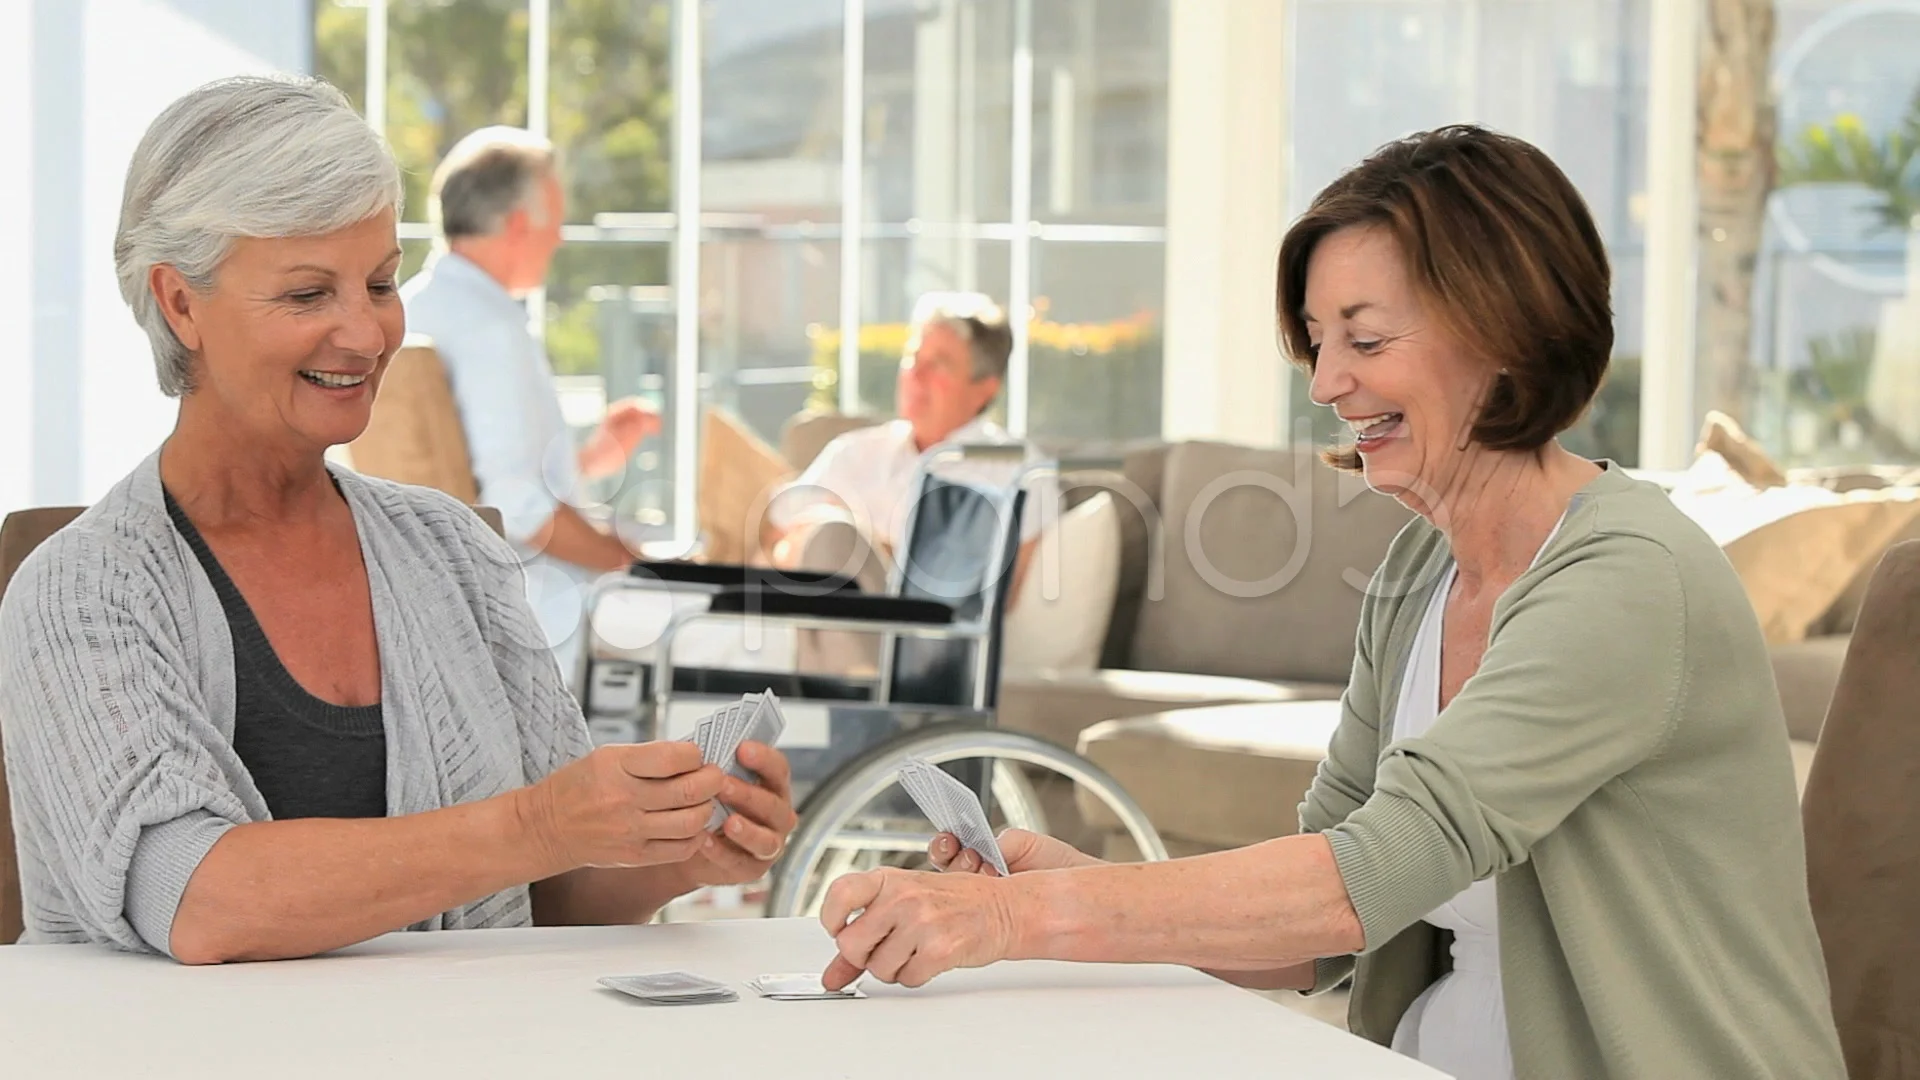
(101,70)
(16,255)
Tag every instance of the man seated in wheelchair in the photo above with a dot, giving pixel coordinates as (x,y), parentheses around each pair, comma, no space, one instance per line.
(849,510)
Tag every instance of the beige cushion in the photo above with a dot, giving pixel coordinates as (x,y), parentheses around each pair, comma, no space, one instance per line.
(1796,548)
(1223,777)
(1265,555)
(1059,617)
(1059,705)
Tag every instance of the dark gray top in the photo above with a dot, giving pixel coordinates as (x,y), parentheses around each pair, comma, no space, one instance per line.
(308,757)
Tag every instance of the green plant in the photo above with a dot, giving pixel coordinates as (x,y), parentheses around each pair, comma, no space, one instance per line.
(1843,152)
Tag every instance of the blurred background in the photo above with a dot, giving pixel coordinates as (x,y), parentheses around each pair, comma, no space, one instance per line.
(759,189)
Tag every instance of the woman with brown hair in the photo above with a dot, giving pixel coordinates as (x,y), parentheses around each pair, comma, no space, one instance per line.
(1556,833)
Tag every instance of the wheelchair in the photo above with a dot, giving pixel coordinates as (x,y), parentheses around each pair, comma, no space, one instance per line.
(932,695)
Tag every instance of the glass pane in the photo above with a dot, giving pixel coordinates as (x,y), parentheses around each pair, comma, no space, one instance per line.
(609,335)
(939,111)
(896,270)
(1100,111)
(340,47)
(1835,317)
(766,305)
(1094,353)
(770,193)
(1569,76)
(451,68)
(610,104)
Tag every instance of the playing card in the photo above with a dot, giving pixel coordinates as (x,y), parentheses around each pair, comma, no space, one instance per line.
(756,717)
(952,807)
(801,988)
(671,988)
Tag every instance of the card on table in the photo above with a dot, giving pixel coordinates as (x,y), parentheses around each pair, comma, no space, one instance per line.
(802,988)
(952,807)
(671,988)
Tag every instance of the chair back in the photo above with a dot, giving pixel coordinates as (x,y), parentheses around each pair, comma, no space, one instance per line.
(963,537)
(20,533)
(415,435)
(1862,821)
(805,434)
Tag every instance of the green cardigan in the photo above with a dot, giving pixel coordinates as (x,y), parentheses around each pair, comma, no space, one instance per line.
(1620,765)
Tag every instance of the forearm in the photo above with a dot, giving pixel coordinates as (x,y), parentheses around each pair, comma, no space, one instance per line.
(1256,909)
(571,538)
(279,889)
(607,896)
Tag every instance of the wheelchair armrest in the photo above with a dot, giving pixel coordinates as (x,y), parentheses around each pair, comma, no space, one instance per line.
(842,605)
(740,576)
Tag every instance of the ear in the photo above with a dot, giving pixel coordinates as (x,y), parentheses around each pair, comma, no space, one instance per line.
(178,302)
(516,224)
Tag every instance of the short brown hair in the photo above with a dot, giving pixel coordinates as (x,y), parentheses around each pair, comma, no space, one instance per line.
(1501,245)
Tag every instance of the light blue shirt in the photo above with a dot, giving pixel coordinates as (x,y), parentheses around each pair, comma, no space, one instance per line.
(524,458)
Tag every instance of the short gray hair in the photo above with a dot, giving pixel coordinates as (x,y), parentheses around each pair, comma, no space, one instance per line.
(255,156)
(486,176)
(975,319)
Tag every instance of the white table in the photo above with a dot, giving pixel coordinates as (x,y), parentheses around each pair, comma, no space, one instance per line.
(524,1004)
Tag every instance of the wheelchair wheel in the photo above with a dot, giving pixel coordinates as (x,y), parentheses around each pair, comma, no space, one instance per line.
(837,835)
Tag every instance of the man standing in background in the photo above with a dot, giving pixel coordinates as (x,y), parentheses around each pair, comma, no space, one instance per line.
(498,202)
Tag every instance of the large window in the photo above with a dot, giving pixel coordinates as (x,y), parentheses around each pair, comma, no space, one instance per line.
(1014,147)
(1834,343)
(1567,75)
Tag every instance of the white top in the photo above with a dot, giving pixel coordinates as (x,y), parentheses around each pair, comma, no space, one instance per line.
(519,1004)
(1459,1024)
(871,472)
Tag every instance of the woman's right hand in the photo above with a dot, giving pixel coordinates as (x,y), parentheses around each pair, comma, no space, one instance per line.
(1023,851)
(639,804)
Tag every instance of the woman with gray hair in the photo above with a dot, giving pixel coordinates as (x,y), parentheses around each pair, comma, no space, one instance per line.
(257,708)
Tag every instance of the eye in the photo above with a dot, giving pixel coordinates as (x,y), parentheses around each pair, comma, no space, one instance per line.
(307,296)
(386,287)
(1365,346)
(1313,350)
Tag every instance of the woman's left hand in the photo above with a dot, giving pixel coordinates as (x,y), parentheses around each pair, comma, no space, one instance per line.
(914,925)
(754,835)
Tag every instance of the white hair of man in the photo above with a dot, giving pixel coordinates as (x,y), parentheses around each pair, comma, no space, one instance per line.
(975,319)
(487,175)
(254,156)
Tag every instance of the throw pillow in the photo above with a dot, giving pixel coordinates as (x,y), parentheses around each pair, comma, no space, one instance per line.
(1058,619)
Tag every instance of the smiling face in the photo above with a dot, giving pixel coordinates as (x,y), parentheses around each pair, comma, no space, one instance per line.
(1389,368)
(291,341)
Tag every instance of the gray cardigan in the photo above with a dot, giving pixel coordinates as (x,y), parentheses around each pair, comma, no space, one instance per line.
(117,699)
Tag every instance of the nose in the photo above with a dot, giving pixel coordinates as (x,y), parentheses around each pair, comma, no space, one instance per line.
(1332,378)
(362,328)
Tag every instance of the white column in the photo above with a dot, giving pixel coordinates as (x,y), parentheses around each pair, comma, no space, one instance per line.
(1020,275)
(853,199)
(687,117)
(1666,379)
(1226,172)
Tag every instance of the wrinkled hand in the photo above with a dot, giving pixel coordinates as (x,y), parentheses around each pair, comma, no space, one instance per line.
(912,926)
(1024,851)
(626,805)
(756,832)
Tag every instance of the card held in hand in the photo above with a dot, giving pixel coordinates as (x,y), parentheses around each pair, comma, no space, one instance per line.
(756,717)
(953,808)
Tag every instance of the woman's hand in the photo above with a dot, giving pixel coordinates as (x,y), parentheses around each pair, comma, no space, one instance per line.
(912,926)
(626,805)
(1023,850)
(757,830)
